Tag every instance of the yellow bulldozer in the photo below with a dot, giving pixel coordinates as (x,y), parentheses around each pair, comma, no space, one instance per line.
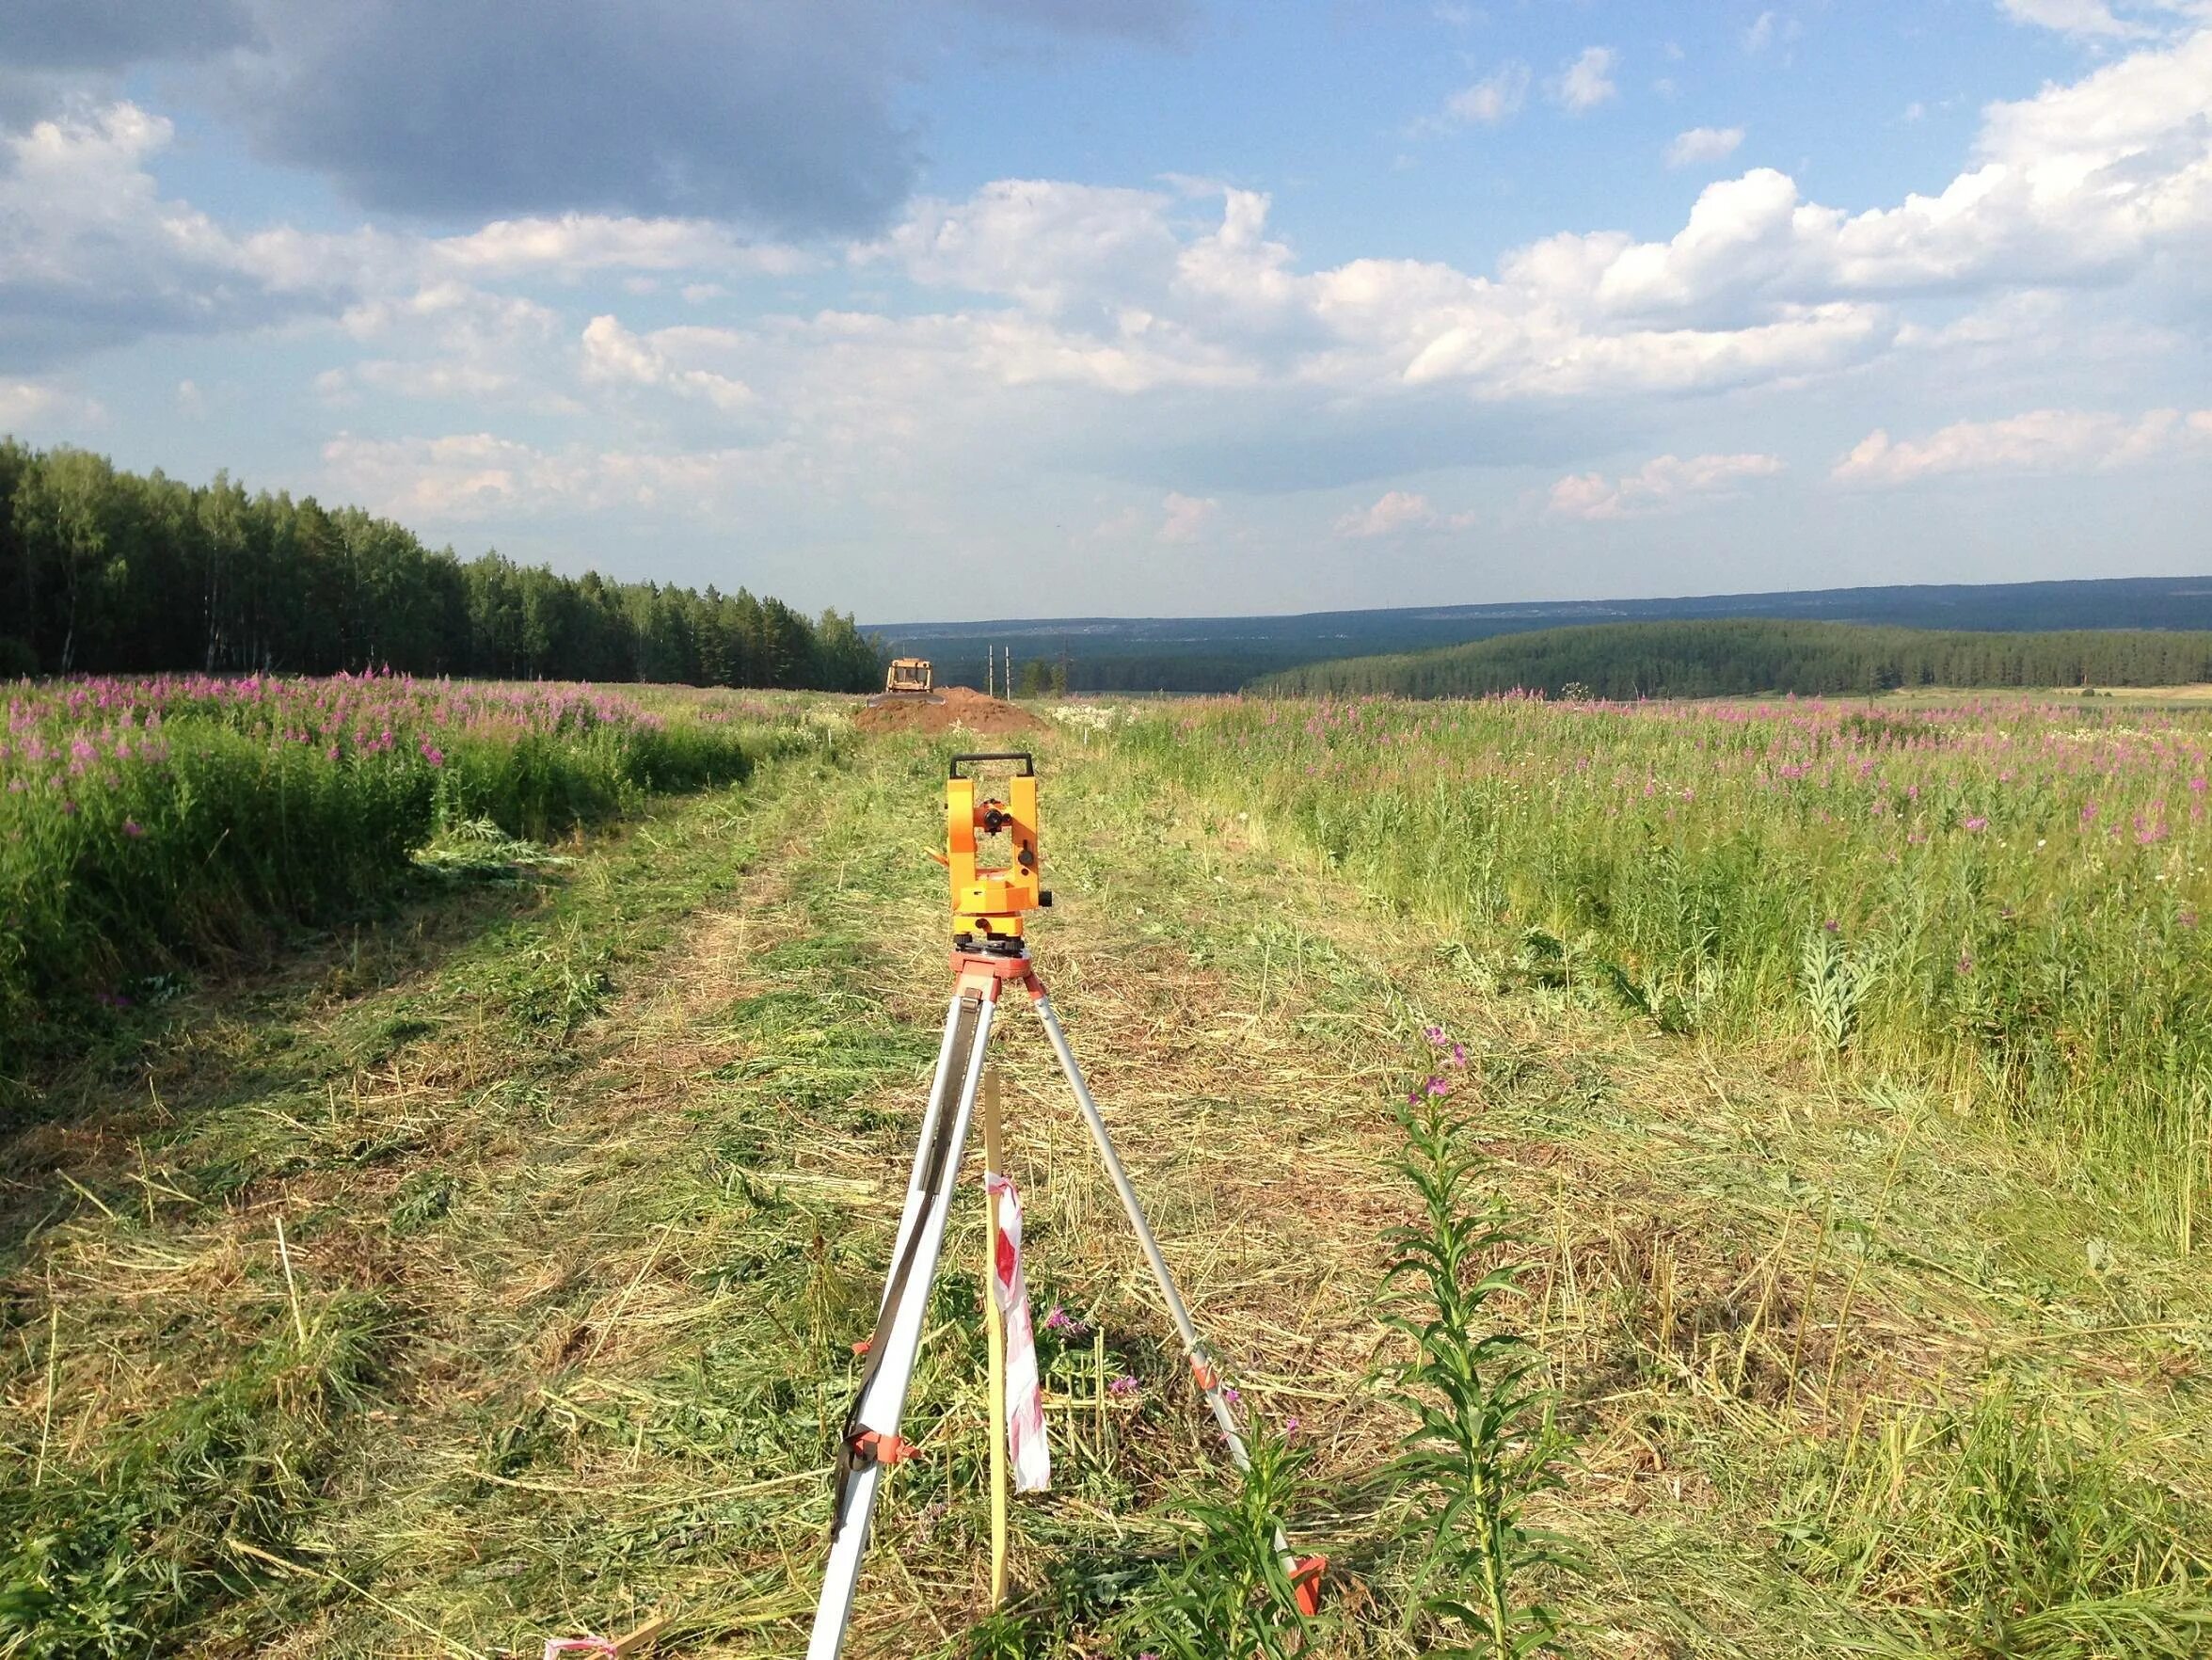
(909,679)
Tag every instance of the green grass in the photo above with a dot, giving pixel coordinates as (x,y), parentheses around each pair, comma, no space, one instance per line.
(2003,901)
(153,829)
(191,1495)
(588,1166)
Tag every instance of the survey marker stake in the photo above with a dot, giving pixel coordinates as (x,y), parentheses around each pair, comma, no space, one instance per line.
(989,950)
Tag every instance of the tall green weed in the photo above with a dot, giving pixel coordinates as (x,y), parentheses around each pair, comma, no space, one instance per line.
(1484,1441)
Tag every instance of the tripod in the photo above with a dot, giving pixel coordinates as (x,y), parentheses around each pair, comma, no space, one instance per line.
(989,952)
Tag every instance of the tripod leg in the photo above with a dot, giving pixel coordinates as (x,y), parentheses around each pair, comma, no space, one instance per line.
(1304,1573)
(944,1083)
(1201,1370)
(877,1413)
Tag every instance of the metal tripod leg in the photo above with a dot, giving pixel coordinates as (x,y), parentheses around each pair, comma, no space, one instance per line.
(1302,1573)
(921,1238)
(1202,1369)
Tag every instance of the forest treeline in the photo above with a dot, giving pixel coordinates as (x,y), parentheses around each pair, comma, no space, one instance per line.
(106,571)
(1742,657)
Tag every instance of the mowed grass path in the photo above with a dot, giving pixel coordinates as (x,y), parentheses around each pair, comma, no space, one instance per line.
(586,1190)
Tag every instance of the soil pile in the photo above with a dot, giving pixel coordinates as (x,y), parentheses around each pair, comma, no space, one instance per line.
(960,708)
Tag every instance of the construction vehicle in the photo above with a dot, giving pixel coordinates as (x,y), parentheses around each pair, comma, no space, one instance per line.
(909,679)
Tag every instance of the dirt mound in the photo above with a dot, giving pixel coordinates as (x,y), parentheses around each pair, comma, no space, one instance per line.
(960,708)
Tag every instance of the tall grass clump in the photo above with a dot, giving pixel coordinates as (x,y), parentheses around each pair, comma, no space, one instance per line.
(1231,1596)
(149,824)
(186,1506)
(2000,1526)
(2004,897)
(1484,1442)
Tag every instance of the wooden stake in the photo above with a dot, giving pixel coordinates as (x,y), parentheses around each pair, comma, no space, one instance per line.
(994,1326)
(639,1638)
(53,1360)
(299,1325)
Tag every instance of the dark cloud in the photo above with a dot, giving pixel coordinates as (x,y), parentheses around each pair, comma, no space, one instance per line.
(44,325)
(1140,20)
(115,34)
(781,115)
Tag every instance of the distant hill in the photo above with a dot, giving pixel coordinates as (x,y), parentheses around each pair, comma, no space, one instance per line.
(1742,656)
(1222,653)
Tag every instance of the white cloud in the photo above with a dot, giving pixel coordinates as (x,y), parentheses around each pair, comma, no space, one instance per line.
(1587,82)
(449,339)
(1396,513)
(1761,35)
(574,243)
(469,476)
(27,405)
(1703,144)
(1492,101)
(2092,19)
(612,356)
(2042,440)
(1045,244)
(1227,307)
(1188,518)
(1664,483)
(94,255)
(23,402)
(2079,183)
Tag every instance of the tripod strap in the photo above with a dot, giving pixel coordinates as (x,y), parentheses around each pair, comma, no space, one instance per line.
(933,1158)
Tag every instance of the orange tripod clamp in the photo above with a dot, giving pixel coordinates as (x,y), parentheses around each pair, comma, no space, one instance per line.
(987,902)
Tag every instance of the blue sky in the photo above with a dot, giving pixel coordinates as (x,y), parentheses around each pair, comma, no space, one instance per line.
(957,309)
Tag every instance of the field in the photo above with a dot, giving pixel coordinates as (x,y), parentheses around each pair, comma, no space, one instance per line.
(150,824)
(476,1258)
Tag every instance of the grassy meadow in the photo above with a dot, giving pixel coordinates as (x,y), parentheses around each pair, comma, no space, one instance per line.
(152,825)
(1666,1180)
(1999,898)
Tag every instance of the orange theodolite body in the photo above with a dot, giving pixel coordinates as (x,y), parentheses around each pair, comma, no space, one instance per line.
(987,902)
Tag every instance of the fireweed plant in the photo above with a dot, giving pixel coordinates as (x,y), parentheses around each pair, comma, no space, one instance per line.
(2007,900)
(1484,1440)
(150,823)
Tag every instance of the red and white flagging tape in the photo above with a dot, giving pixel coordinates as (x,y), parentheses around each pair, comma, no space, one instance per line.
(1025,1400)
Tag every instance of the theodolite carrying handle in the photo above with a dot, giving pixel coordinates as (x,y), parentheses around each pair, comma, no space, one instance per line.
(1029,762)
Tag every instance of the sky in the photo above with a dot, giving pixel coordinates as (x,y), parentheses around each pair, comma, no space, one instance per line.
(949,310)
